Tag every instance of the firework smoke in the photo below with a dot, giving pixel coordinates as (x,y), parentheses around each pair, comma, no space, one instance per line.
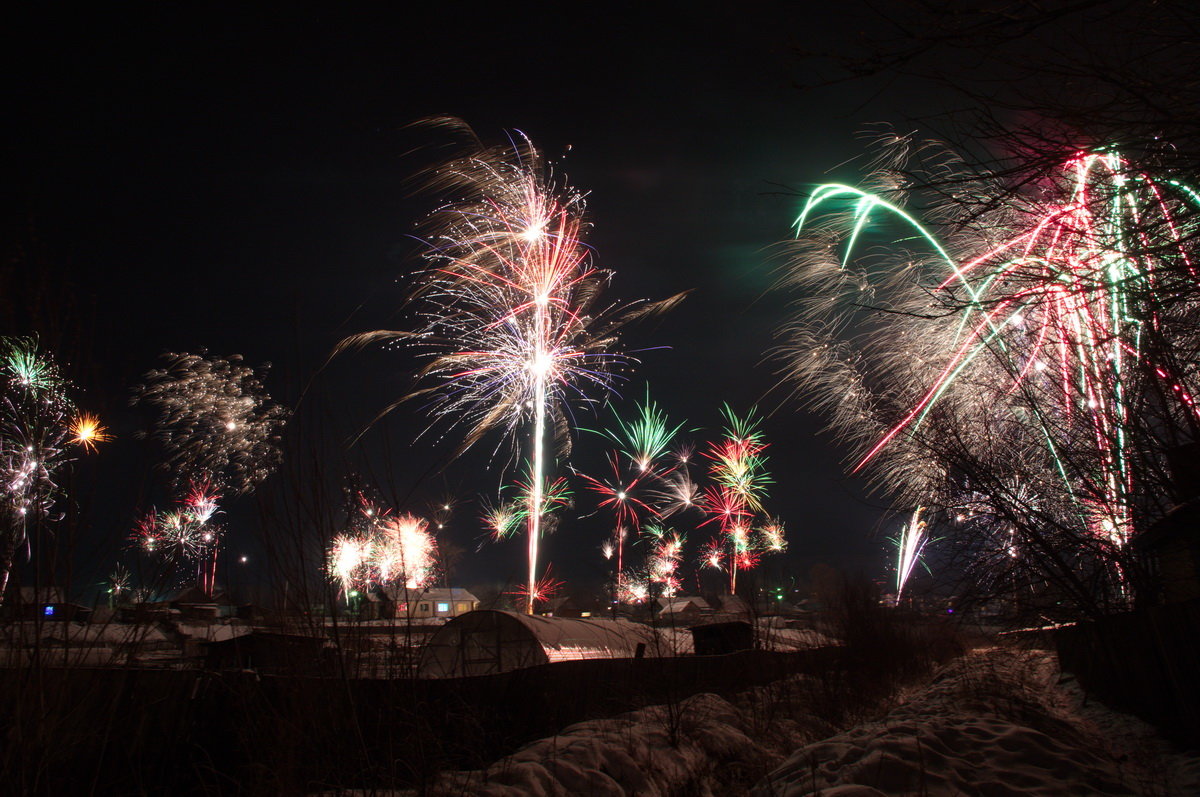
(215,420)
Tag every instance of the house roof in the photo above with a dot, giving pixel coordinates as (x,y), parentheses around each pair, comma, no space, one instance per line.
(681,602)
(451,594)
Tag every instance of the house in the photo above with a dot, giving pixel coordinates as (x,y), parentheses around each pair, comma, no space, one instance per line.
(682,609)
(194,603)
(574,606)
(733,606)
(430,602)
(1170,550)
(43,603)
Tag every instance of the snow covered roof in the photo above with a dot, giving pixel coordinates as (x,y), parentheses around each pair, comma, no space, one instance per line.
(487,642)
(398,592)
(681,603)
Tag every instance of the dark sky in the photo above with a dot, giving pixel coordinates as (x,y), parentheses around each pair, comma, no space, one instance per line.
(241,183)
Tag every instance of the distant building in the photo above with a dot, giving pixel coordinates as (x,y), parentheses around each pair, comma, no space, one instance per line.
(44,603)
(733,606)
(420,604)
(1170,550)
(195,604)
(574,606)
(682,609)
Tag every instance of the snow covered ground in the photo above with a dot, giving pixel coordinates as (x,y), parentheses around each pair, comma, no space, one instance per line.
(996,722)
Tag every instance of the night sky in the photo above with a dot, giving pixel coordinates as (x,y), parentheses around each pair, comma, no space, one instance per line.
(243,183)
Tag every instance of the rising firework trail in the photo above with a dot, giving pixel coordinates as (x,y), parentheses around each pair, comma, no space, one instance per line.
(509,315)
(909,545)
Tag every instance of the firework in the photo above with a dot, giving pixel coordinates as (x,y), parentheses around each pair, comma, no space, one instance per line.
(543,590)
(404,551)
(677,493)
(909,545)
(647,437)
(202,501)
(1043,335)
(772,535)
(87,431)
(511,323)
(712,555)
(215,420)
(504,518)
(37,423)
(738,464)
(619,496)
(382,549)
(186,533)
(737,467)
(118,584)
(349,560)
(665,557)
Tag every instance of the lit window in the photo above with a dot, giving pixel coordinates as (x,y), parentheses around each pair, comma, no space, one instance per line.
(48,611)
(443,607)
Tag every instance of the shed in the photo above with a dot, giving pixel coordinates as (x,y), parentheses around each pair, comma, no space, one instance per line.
(486,642)
(716,639)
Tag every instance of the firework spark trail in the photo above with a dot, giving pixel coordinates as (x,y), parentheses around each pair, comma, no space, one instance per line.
(909,545)
(647,437)
(642,441)
(510,320)
(619,498)
(1058,310)
(215,420)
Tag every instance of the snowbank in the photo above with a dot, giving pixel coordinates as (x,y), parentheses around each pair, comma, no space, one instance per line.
(996,722)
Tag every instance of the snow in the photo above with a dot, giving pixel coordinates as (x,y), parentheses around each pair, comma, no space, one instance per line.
(629,754)
(996,722)
(212,632)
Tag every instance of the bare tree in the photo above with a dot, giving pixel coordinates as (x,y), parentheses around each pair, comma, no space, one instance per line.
(1021,365)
